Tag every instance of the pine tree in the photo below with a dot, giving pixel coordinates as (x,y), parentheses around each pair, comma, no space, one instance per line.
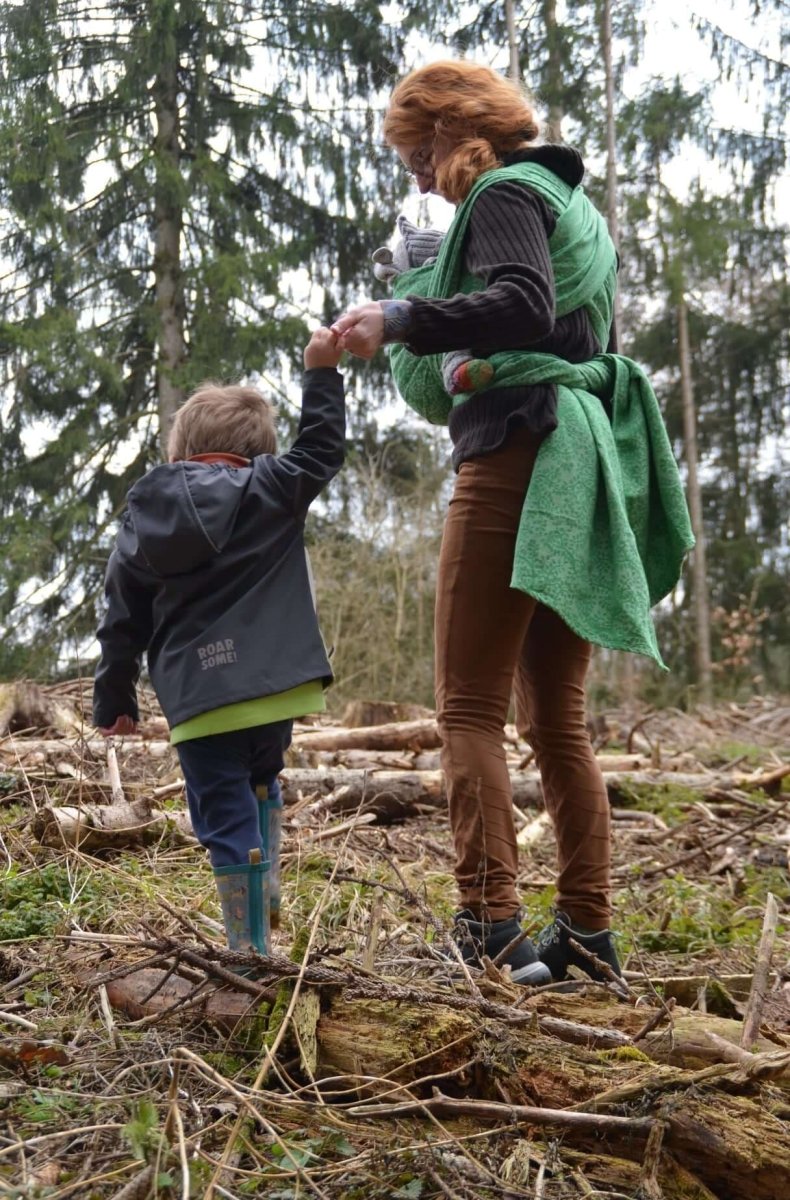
(181,181)
(710,260)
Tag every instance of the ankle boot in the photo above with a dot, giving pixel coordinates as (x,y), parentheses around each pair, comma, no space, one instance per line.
(244,896)
(270,816)
(555,950)
(476,938)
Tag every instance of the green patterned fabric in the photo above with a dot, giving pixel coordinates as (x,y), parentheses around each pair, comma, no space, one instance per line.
(605,526)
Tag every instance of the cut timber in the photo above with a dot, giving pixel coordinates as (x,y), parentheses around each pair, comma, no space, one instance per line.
(100,826)
(723,1143)
(689,1044)
(401,735)
(382,712)
(723,993)
(81,749)
(534,830)
(24,705)
(610,1176)
(398,794)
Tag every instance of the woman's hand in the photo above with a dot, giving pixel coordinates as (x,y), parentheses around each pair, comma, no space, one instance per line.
(361,329)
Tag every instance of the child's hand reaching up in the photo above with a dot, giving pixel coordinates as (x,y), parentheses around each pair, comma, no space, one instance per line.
(323,349)
(122,726)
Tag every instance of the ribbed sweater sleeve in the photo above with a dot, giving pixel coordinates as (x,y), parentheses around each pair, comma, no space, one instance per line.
(507,247)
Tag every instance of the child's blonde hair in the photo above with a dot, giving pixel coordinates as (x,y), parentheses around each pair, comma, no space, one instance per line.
(223,419)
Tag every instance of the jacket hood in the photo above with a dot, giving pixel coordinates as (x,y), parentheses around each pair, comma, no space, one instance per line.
(183,513)
(563,160)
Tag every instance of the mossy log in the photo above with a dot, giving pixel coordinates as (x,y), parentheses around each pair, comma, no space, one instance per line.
(721,1132)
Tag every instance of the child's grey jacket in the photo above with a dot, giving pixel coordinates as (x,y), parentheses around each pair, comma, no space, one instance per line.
(209,575)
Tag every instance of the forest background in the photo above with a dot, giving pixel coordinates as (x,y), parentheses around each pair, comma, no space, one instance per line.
(187,188)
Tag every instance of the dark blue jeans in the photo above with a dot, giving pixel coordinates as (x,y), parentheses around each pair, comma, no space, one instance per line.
(221,773)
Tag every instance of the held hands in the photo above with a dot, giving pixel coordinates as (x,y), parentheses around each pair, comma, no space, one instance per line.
(361,329)
(323,350)
(122,726)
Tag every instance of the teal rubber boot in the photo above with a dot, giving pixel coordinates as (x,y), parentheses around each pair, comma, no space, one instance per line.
(244,896)
(270,817)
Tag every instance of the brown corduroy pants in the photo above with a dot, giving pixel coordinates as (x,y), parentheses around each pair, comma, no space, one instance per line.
(491,639)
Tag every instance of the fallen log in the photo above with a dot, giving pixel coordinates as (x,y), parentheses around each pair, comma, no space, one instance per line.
(722,993)
(93,749)
(724,1145)
(398,794)
(24,705)
(376,1047)
(340,755)
(401,735)
(109,826)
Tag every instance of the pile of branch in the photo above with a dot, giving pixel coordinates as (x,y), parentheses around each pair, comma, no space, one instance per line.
(696,1101)
(384,773)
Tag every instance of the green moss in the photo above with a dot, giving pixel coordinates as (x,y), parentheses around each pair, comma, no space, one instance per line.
(229,1065)
(624,1054)
(666,800)
(749,754)
(309,878)
(691,916)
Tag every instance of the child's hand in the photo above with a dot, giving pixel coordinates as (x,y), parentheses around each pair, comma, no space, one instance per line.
(121,726)
(323,349)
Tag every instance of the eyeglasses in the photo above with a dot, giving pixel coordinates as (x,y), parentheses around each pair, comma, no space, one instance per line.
(421,162)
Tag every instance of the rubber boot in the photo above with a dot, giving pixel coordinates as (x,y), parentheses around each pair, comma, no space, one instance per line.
(244,896)
(270,816)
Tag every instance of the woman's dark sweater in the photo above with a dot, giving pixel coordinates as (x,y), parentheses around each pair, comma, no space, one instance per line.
(507,247)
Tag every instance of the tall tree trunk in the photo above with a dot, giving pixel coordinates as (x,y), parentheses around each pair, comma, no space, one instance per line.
(168,224)
(698,558)
(553,90)
(514,70)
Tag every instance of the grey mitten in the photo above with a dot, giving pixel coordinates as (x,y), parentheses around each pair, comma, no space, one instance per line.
(416,248)
(384,264)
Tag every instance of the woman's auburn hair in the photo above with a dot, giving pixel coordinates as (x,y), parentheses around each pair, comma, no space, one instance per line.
(469,109)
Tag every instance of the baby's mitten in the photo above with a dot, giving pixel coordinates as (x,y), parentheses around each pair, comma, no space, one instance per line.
(461,372)
(419,245)
(384,266)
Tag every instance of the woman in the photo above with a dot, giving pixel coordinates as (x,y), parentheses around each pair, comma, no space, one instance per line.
(530,571)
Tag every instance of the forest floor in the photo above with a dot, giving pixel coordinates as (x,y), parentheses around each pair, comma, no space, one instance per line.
(365,1064)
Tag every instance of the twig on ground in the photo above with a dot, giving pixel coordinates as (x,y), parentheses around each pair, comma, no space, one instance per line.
(762,967)
(492,1110)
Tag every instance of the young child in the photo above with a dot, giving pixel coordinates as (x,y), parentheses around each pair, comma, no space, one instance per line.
(210,577)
